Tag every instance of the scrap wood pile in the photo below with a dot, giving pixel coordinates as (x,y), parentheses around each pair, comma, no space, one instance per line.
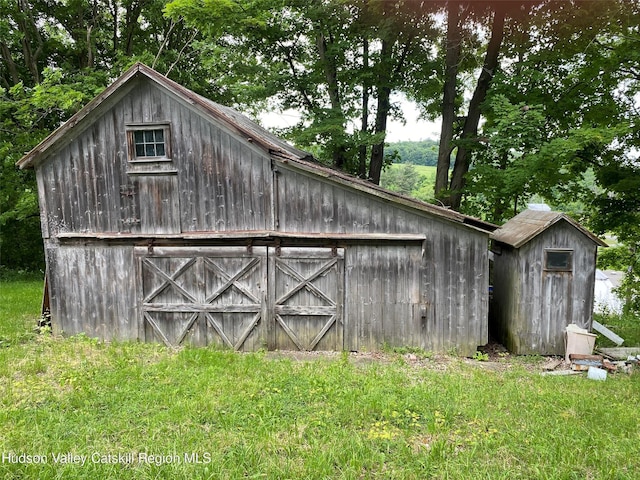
(605,361)
(582,363)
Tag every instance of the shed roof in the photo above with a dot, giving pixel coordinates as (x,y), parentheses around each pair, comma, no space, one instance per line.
(528,224)
(244,127)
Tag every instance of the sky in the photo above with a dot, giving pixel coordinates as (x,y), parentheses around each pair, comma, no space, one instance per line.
(413,129)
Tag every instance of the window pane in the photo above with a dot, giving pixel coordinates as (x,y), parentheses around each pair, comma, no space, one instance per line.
(559,260)
(149,142)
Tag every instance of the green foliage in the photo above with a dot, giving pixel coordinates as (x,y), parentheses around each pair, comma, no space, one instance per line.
(627,325)
(519,160)
(321,59)
(481,356)
(424,152)
(416,181)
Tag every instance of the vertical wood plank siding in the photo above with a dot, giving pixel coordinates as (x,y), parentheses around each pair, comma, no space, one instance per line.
(222,183)
(452,274)
(531,306)
(430,294)
(92,291)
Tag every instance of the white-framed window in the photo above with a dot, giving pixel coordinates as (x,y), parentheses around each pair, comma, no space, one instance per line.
(558,260)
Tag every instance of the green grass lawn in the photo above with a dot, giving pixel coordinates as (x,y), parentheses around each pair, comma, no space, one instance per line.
(148,412)
(20,304)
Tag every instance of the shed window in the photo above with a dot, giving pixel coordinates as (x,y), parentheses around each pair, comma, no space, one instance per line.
(148,143)
(559,260)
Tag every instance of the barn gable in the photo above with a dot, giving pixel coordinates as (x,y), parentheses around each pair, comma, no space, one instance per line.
(169,217)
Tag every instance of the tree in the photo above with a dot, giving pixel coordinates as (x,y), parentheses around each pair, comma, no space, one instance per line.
(453,47)
(563,108)
(618,211)
(56,57)
(337,62)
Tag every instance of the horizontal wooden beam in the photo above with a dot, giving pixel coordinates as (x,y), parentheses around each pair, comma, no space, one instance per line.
(201,307)
(238,235)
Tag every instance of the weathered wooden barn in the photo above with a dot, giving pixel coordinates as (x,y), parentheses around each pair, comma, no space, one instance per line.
(167,217)
(543,280)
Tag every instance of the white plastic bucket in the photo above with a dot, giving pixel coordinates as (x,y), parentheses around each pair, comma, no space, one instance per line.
(596,373)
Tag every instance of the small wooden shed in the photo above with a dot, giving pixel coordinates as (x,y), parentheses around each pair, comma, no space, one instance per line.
(168,217)
(543,280)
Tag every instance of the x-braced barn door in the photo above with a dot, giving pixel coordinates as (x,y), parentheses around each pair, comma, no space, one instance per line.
(306,297)
(242,298)
(204,295)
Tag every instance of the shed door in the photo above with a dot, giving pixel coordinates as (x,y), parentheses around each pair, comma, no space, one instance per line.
(306,294)
(557,310)
(212,295)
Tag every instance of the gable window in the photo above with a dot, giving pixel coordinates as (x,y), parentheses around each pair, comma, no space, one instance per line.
(149,142)
(558,260)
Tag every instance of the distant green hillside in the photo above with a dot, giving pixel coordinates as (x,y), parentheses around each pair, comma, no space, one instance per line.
(414,180)
(424,152)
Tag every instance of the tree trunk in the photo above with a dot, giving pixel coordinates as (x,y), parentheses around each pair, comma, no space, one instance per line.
(470,130)
(453,45)
(388,75)
(89,47)
(364,119)
(11,65)
(382,111)
(30,32)
(114,4)
(131,25)
(331,76)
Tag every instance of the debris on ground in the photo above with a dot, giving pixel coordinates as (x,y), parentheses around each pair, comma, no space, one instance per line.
(595,373)
(597,366)
(619,353)
(582,362)
(602,330)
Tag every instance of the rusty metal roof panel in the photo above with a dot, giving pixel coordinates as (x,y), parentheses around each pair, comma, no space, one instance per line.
(528,224)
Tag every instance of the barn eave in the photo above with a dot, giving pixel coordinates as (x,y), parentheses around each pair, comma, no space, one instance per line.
(358,184)
(237,123)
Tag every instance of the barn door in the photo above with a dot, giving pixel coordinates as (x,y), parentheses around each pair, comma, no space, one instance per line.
(235,297)
(242,298)
(557,299)
(306,296)
(150,204)
(203,296)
